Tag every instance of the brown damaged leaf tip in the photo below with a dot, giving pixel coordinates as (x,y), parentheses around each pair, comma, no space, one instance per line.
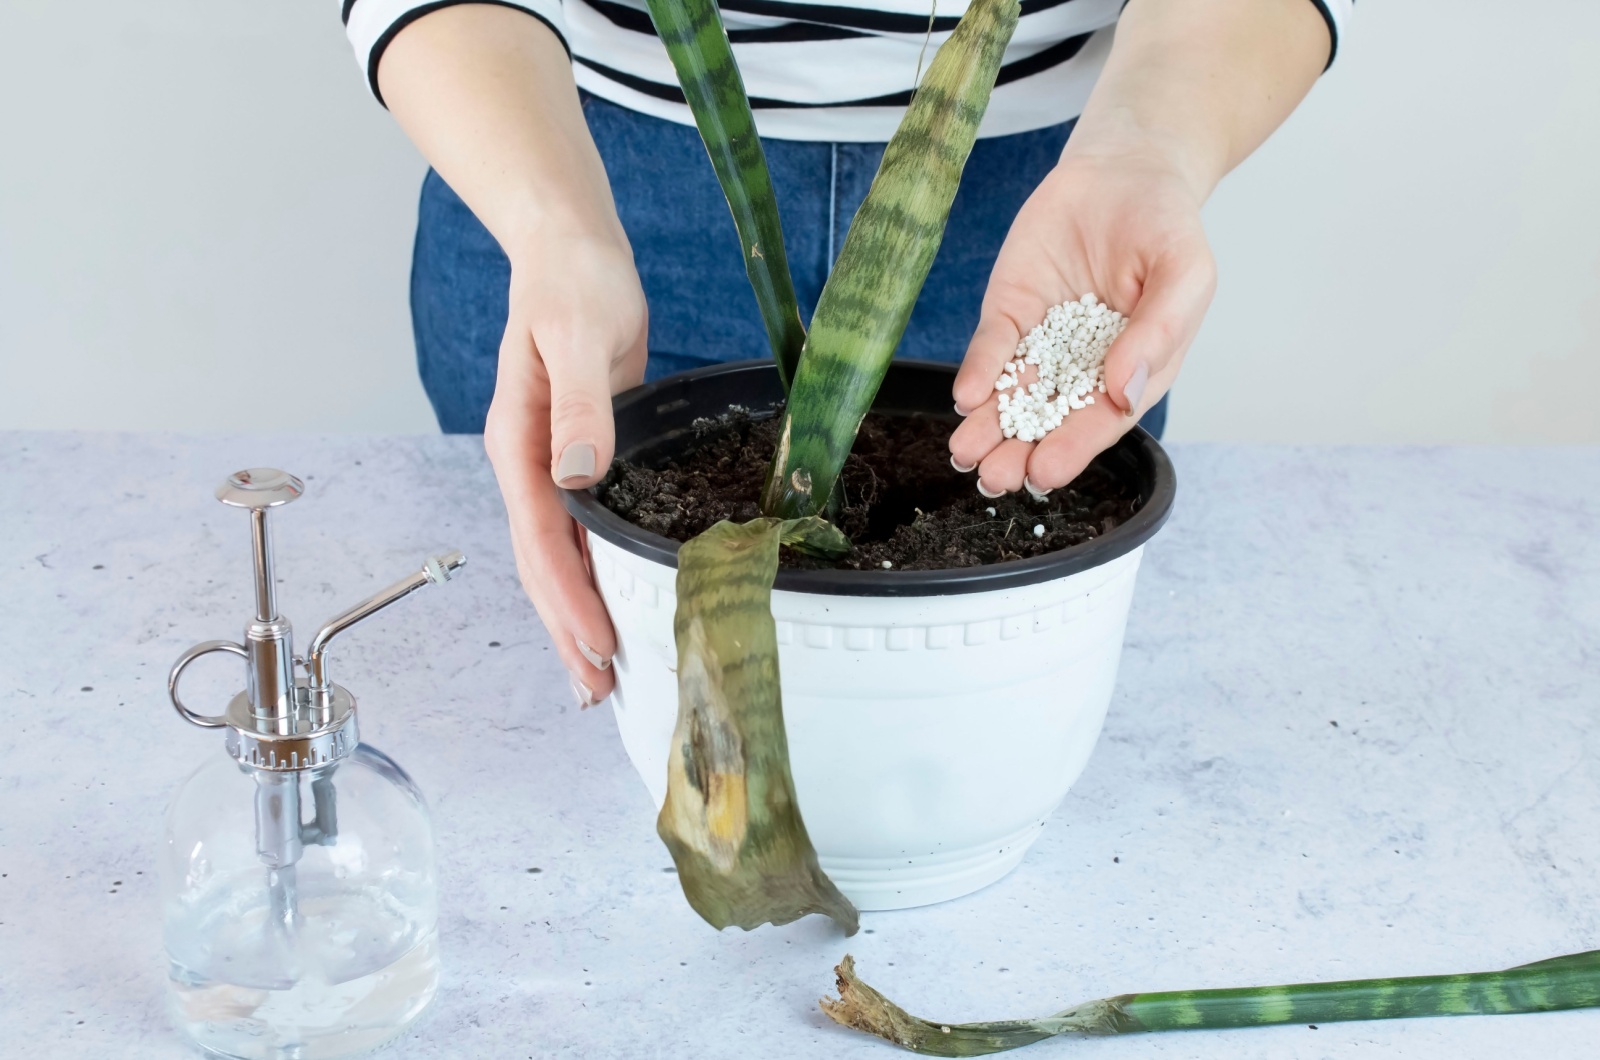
(862,1008)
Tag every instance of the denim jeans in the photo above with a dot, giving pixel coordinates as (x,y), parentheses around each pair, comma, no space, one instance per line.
(690,263)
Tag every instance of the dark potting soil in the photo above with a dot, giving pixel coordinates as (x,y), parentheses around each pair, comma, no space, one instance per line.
(901,500)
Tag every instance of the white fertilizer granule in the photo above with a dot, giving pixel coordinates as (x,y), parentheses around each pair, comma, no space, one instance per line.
(1069,350)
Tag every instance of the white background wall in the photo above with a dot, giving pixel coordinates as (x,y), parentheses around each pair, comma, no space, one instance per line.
(205,224)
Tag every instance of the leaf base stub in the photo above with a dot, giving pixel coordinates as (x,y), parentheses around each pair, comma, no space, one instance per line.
(862,1008)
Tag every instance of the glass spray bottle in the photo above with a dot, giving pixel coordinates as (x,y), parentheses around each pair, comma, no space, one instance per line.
(298,876)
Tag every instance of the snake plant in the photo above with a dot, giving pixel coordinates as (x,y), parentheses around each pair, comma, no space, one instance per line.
(731,819)
(701,56)
(1545,986)
(868,298)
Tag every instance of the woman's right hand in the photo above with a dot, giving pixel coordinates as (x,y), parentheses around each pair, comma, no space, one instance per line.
(575,335)
(486,92)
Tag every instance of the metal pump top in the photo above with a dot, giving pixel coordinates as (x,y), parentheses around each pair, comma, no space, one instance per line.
(291,716)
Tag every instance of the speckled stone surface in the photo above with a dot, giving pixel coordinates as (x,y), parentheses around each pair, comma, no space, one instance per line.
(1356,734)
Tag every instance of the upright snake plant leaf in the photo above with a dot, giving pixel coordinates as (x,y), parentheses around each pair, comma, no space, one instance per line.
(868,298)
(698,46)
(1546,986)
(731,819)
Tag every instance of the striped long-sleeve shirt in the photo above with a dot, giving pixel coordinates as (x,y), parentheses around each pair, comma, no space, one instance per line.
(815,69)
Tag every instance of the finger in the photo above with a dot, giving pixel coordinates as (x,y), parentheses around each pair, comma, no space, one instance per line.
(582,438)
(555,578)
(993,344)
(556,581)
(1161,327)
(1003,469)
(976,436)
(600,644)
(549,563)
(1067,450)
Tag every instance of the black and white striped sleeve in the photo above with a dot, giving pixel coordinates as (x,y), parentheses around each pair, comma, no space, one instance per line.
(1336,13)
(372,24)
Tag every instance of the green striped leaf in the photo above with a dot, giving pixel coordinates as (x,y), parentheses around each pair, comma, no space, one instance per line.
(1546,986)
(731,819)
(698,45)
(867,301)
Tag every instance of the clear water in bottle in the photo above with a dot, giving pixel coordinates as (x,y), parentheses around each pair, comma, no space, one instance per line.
(351,971)
(330,957)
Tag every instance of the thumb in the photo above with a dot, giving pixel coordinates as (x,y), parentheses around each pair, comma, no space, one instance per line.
(582,437)
(1161,326)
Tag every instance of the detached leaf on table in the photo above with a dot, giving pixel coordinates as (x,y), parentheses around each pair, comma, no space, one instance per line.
(1545,986)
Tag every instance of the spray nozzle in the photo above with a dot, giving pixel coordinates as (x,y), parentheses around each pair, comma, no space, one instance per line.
(435,571)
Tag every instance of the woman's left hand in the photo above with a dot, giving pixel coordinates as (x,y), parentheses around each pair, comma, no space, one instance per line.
(1120,221)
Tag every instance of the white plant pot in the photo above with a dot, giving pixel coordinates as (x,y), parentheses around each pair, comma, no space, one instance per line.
(935,719)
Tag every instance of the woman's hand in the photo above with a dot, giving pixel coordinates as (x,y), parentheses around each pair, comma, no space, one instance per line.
(575,335)
(487,93)
(1190,88)
(1124,224)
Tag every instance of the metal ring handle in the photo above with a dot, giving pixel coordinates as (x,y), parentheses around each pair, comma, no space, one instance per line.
(205,721)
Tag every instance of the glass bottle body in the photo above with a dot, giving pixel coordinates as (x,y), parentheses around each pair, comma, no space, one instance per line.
(321,948)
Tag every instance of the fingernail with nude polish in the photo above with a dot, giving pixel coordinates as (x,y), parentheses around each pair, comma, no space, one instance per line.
(598,661)
(582,693)
(1133,389)
(1034,491)
(959,466)
(985,491)
(576,465)
(961,411)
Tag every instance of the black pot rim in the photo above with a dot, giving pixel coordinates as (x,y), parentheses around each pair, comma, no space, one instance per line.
(1159,484)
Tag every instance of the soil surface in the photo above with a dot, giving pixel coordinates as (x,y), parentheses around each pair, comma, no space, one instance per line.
(901,501)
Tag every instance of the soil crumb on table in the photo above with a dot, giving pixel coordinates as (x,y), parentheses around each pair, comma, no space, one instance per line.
(901,501)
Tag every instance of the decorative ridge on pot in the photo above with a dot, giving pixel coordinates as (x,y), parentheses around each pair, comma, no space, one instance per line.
(653,415)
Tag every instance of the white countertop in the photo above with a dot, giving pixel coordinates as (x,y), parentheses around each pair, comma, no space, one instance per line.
(1441,605)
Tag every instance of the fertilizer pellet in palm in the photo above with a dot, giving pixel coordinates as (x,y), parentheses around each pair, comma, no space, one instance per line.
(1069,351)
